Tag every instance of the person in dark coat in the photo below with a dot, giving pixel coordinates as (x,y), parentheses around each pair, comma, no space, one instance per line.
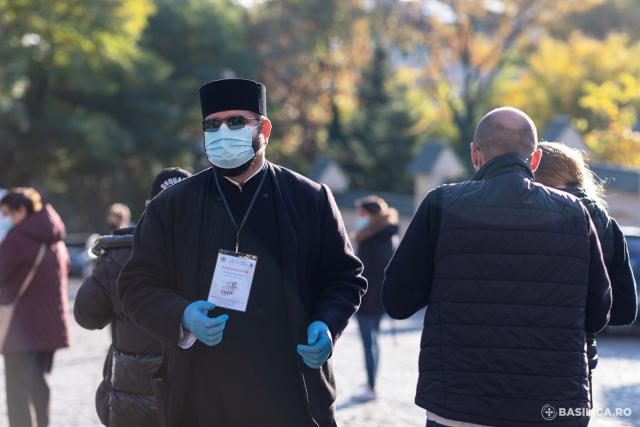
(565,168)
(39,325)
(513,279)
(124,397)
(261,354)
(376,224)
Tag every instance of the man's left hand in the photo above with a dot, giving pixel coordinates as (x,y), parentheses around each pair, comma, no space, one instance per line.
(320,345)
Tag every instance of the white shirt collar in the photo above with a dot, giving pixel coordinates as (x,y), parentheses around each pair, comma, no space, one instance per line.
(239,185)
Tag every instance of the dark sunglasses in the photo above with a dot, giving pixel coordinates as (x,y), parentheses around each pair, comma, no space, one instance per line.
(233,122)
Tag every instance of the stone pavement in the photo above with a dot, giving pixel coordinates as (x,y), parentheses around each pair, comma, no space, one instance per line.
(77,372)
(617,378)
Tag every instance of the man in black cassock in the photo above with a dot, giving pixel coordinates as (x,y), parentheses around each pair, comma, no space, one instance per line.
(266,364)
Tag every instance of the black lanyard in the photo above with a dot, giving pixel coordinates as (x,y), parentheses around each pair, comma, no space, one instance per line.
(246,215)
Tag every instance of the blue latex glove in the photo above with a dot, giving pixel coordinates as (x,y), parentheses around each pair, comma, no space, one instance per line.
(207,329)
(320,345)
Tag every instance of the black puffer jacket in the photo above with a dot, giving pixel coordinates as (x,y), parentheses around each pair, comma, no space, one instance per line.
(124,397)
(513,278)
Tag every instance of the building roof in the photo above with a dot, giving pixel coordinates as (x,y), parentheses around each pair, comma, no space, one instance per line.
(428,156)
(617,178)
(318,169)
(555,128)
(403,203)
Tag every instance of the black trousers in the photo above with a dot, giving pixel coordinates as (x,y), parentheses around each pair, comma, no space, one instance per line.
(27,388)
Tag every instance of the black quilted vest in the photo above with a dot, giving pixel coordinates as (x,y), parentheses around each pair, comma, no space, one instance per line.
(504,330)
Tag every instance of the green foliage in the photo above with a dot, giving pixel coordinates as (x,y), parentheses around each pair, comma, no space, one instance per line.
(593,81)
(383,137)
(67,61)
(95,102)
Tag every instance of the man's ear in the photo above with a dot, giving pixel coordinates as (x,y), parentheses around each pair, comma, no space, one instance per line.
(535,158)
(475,156)
(266,129)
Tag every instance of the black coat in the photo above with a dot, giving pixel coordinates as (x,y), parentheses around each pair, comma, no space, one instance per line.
(125,397)
(616,258)
(323,278)
(513,278)
(375,252)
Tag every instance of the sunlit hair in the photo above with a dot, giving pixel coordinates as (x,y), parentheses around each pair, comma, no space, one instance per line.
(121,211)
(562,167)
(27,198)
(372,205)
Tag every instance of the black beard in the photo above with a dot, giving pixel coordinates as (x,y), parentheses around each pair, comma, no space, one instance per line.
(237,171)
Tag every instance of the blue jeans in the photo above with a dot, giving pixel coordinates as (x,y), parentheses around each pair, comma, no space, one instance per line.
(434,424)
(369,331)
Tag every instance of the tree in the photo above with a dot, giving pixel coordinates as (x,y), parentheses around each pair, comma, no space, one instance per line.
(307,56)
(201,40)
(588,79)
(384,136)
(469,43)
(62,58)
(94,101)
(617,103)
(336,134)
(619,16)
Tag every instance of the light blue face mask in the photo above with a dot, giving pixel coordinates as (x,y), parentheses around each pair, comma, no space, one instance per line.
(361,223)
(228,149)
(5,226)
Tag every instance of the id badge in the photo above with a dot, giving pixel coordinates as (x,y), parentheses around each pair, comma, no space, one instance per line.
(232,280)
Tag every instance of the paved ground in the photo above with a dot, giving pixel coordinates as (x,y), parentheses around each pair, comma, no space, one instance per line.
(77,373)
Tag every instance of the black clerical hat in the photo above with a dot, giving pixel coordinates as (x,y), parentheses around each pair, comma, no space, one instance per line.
(233,94)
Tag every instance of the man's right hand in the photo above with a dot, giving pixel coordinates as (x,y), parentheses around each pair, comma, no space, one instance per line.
(209,330)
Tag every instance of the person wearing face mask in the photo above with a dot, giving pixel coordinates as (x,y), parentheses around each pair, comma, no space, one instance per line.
(33,284)
(376,226)
(511,273)
(246,274)
(5,222)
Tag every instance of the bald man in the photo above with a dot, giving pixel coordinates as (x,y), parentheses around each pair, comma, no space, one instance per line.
(513,278)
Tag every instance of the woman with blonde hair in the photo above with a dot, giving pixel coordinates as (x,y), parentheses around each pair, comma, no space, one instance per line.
(565,168)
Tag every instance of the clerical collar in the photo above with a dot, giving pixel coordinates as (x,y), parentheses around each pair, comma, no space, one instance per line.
(241,185)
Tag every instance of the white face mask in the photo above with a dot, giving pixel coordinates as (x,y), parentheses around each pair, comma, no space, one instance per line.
(228,149)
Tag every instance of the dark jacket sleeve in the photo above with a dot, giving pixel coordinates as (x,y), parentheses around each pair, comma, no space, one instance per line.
(145,282)
(623,285)
(599,286)
(92,308)
(409,276)
(338,275)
